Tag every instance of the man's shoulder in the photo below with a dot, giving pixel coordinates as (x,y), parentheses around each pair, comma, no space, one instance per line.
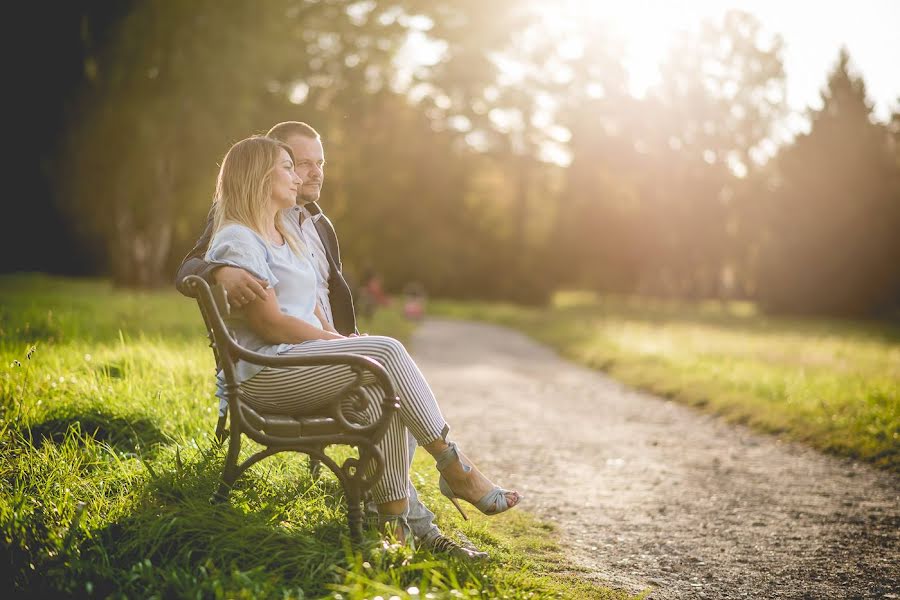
(322,220)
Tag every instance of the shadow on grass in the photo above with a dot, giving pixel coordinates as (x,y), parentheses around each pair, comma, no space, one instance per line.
(281,534)
(274,533)
(124,433)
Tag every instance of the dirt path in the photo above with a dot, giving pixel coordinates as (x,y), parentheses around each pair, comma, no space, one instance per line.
(651,494)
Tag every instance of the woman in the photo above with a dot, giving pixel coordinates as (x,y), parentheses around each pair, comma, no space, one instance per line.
(255,229)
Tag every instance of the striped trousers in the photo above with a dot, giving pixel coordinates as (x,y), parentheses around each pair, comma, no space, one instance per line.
(303,390)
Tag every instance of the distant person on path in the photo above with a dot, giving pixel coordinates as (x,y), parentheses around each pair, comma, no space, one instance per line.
(333,294)
(371,294)
(414,301)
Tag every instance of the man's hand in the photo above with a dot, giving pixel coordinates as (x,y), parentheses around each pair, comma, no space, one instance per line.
(241,288)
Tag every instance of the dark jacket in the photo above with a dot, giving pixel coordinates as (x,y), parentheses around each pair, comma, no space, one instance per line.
(338,291)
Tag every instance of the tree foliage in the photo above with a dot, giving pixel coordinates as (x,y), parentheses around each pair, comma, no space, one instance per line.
(832,236)
(486,152)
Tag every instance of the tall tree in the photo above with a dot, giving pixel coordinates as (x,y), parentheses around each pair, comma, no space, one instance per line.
(494,84)
(722,92)
(594,230)
(834,214)
(164,95)
(176,83)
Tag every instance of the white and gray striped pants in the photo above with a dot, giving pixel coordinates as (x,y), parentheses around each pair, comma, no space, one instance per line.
(303,390)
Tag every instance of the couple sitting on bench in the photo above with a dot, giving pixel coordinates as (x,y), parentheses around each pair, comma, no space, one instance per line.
(281,276)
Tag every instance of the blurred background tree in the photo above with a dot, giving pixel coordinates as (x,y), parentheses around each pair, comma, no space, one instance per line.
(832,237)
(721,93)
(486,150)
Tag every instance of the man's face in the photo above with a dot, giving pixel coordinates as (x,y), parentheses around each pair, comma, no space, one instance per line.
(309,165)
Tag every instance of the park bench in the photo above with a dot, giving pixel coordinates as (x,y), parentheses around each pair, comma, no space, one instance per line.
(308,434)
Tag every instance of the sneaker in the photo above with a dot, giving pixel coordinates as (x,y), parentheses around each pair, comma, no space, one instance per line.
(440,543)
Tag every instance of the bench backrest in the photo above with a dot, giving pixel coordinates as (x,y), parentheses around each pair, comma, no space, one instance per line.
(211,308)
(213,304)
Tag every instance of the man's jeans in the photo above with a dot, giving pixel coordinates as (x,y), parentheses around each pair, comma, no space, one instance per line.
(420,519)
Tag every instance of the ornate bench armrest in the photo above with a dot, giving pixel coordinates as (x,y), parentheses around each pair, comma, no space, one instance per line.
(212,305)
(359,365)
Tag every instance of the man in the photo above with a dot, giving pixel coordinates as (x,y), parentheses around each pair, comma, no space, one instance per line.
(332,289)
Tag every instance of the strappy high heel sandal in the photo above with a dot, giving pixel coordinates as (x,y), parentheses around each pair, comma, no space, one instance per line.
(492,503)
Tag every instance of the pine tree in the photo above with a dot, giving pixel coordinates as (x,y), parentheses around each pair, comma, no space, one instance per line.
(834,211)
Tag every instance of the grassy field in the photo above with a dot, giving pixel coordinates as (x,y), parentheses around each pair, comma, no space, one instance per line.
(832,384)
(108,462)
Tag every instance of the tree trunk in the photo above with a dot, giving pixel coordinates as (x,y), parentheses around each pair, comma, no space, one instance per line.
(139,247)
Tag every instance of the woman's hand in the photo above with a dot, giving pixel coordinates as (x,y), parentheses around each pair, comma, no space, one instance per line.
(320,314)
(241,288)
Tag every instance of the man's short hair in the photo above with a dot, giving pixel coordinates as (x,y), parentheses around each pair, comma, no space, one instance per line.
(282,131)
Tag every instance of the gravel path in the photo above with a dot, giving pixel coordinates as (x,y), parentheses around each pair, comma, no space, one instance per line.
(650,494)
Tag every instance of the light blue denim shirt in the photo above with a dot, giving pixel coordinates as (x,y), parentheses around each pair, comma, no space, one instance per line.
(292,276)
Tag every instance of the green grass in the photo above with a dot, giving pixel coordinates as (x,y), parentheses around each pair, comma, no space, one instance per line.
(832,384)
(107,464)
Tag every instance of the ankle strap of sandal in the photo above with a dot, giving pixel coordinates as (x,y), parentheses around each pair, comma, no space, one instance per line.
(449,456)
(397,521)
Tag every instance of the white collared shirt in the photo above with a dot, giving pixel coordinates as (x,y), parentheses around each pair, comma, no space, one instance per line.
(315,250)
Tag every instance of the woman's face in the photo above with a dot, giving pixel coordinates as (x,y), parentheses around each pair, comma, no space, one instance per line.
(285,182)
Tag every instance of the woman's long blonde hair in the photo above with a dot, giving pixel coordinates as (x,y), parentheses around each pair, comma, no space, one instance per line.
(244,186)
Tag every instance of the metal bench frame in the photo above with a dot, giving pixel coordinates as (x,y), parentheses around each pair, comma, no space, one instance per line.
(308,434)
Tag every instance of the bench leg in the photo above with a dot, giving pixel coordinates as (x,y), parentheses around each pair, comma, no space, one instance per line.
(356,482)
(315,468)
(230,470)
(354,512)
(221,432)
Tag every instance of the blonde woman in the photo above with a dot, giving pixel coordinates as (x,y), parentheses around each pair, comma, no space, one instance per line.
(255,229)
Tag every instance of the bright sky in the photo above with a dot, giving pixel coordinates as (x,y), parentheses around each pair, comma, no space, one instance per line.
(813,32)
